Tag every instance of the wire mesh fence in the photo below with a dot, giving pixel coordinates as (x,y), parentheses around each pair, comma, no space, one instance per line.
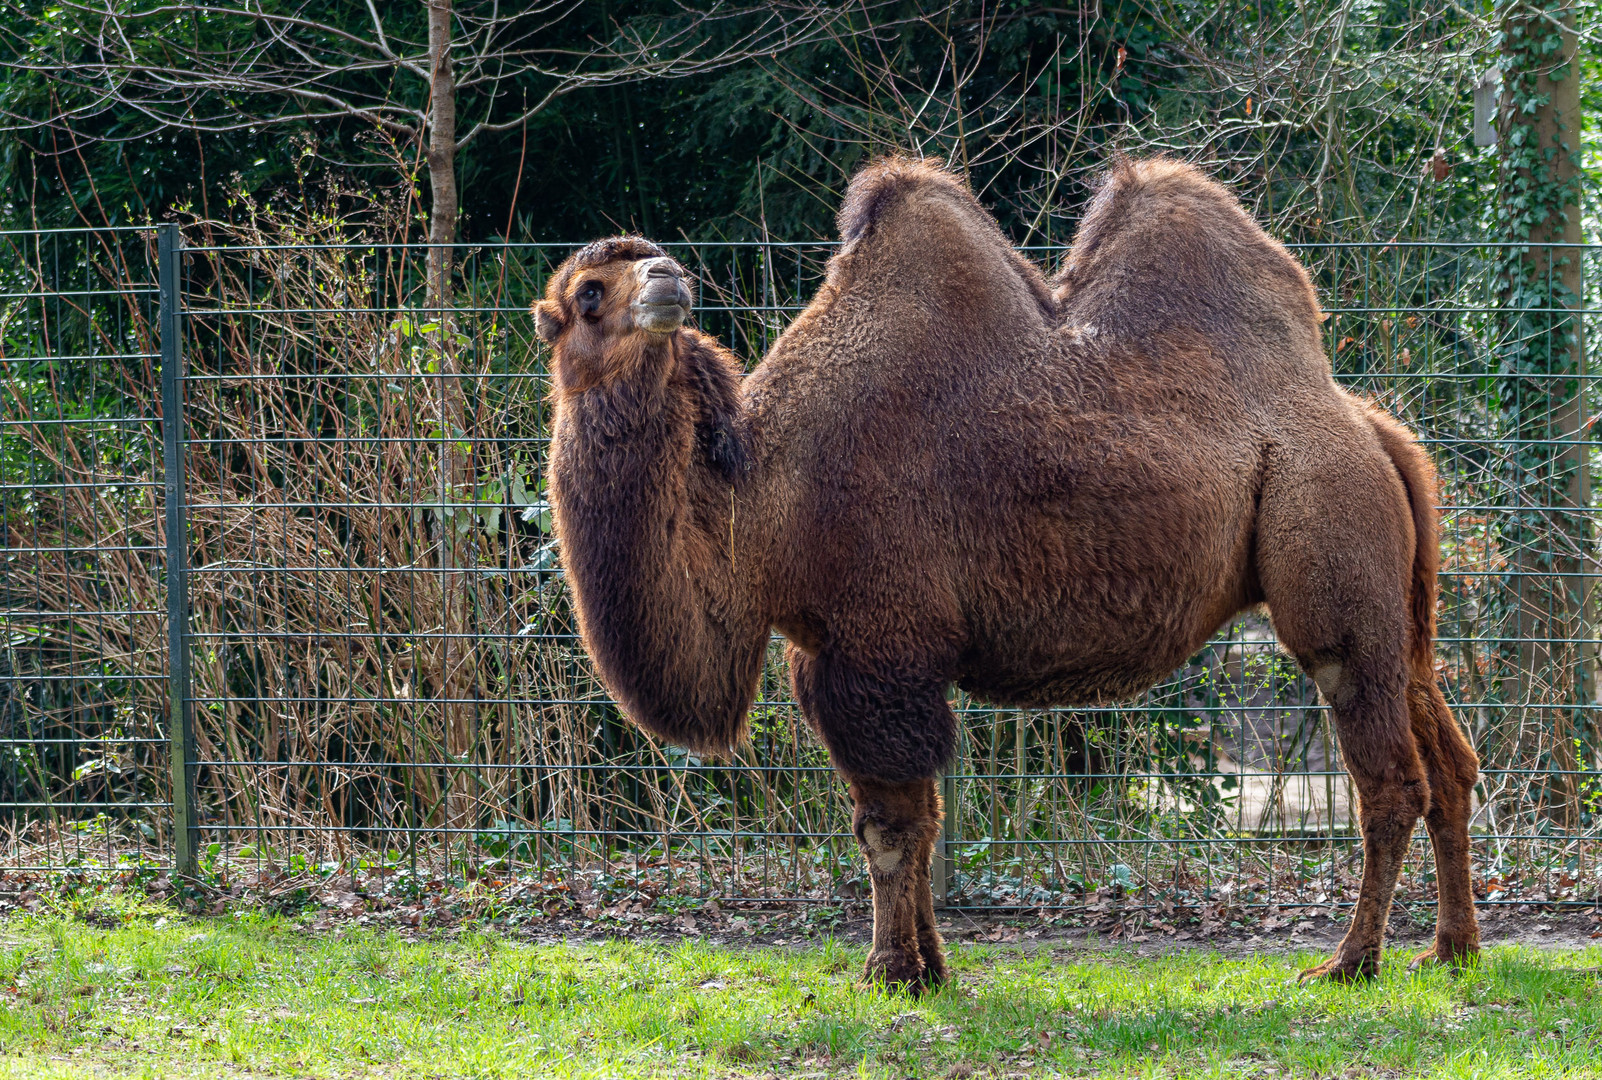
(82,598)
(383,673)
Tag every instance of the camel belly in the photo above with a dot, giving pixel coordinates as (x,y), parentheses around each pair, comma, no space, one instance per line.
(1071,659)
(1097,600)
(1099,676)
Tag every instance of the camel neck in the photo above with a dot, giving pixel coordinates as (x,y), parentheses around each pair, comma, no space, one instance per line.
(641,472)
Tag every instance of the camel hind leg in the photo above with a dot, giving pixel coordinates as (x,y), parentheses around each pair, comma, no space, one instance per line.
(1453,770)
(1381,754)
(1447,752)
(1334,558)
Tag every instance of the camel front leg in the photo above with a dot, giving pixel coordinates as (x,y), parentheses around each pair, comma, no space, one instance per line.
(896,825)
(889,730)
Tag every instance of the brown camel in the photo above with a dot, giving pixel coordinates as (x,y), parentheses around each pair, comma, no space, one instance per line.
(952,470)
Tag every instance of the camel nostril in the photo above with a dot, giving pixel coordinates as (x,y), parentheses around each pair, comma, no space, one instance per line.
(661,268)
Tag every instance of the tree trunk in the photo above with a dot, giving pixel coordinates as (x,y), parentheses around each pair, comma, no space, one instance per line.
(444,203)
(455,466)
(1541,206)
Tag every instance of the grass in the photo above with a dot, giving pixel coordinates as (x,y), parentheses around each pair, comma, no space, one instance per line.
(257,996)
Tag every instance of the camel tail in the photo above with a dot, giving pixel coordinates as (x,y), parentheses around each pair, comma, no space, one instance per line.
(1418,476)
(1454,767)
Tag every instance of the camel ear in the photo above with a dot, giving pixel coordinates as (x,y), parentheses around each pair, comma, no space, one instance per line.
(548,321)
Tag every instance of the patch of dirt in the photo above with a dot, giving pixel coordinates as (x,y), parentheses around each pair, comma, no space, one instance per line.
(1301,930)
(538,912)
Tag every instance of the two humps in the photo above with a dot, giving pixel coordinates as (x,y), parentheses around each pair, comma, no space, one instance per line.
(952,470)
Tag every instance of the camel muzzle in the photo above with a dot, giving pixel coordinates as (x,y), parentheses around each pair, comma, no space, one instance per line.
(660,318)
(663,302)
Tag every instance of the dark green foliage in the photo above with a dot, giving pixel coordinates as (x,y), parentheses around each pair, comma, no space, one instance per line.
(1322,115)
(765,144)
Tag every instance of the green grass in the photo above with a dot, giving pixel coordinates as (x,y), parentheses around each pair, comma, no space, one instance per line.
(256,996)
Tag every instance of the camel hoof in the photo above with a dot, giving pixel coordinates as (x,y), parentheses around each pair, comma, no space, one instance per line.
(895,973)
(932,951)
(935,973)
(1337,970)
(1445,954)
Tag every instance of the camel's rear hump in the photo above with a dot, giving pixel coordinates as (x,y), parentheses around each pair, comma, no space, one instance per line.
(1162,246)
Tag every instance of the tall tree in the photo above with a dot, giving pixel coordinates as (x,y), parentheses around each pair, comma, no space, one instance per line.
(1538,210)
(436,76)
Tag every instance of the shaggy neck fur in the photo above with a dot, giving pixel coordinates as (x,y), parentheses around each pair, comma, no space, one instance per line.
(646,463)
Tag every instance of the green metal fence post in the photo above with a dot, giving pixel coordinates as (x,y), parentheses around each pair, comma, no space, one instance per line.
(180,717)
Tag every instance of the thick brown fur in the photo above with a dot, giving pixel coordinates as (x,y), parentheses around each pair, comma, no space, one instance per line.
(951,470)
(647,453)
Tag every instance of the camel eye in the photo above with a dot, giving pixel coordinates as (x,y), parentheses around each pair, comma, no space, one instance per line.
(589,299)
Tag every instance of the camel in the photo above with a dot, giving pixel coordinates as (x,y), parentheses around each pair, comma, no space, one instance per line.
(952,470)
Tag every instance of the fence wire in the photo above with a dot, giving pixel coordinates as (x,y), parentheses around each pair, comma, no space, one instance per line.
(82,598)
(384,677)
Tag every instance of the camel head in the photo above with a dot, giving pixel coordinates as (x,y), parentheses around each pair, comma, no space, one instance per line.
(611,301)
